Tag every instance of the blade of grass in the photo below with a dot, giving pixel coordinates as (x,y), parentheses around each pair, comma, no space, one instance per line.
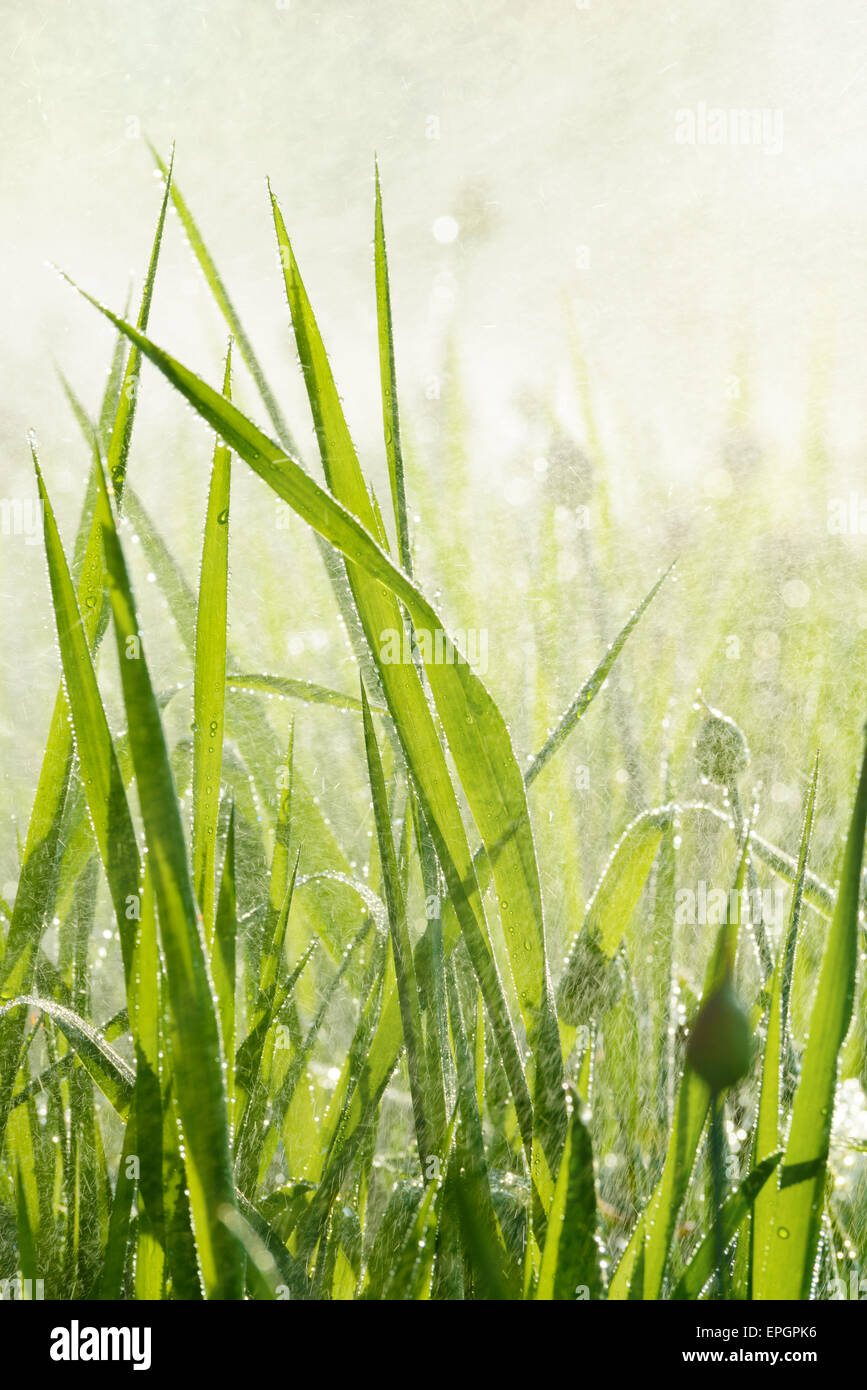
(785,1271)
(388,379)
(112,825)
(111,1277)
(474,1173)
(105,1066)
(410,1276)
(221,296)
(37,883)
(291,483)
(223,959)
(333,567)
(249,1063)
(570,1258)
(477,734)
(334,522)
(103,782)
(610,909)
(209,687)
(382,1057)
(245,720)
(407,987)
(281,1101)
(701,1267)
(767,1132)
(291,688)
(194,1031)
(578,705)
(648,1247)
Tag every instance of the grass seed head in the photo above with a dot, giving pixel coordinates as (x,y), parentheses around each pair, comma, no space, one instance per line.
(591,982)
(720,1045)
(721,750)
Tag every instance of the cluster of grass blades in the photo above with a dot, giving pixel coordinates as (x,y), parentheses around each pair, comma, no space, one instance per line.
(230,1130)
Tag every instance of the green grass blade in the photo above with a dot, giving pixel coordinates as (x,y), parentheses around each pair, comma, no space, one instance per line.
(410,1275)
(103,782)
(221,296)
(27,1236)
(37,884)
(476,732)
(116,1027)
(580,702)
(407,987)
(291,688)
(224,958)
(650,1242)
(767,1133)
(570,1258)
(121,434)
(289,1269)
(114,380)
(610,909)
(111,820)
(481,1249)
(194,1030)
(335,523)
(385,1047)
(701,1267)
(786,1270)
(251,1054)
(388,379)
(105,1066)
(209,687)
(474,1174)
(245,720)
(154,1252)
(280,1102)
(110,1284)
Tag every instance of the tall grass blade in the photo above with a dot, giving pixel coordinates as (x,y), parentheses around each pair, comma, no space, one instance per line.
(38,881)
(465,706)
(224,958)
(701,1267)
(388,379)
(401,946)
(570,1258)
(103,782)
(767,1134)
(476,732)
(785,1271)
(194,1031)
(221,296)
(648,1248)
(209,687)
